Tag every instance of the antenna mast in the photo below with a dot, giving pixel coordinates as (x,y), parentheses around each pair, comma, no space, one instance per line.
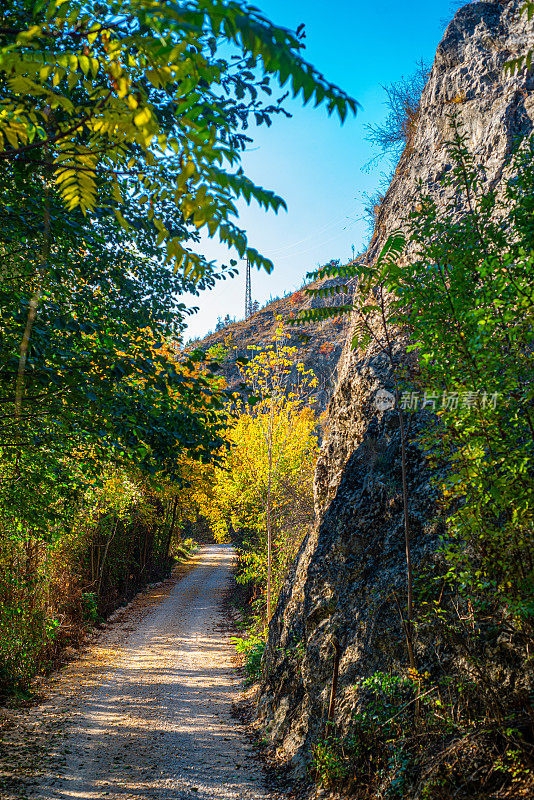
(248,292)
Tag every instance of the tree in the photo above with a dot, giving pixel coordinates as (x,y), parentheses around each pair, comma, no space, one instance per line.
(263,488)
(121,131)
(137,101)
(97,370)
(128,111)
(270,375)
(467,299)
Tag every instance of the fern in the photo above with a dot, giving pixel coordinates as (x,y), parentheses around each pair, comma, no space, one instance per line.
(312,315)
(367,276)
(517,64)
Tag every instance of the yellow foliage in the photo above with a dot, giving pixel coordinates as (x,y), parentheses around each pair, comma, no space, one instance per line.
(260,496)
(238,497)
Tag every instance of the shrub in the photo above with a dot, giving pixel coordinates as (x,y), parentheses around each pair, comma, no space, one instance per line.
(403,103)
(331,761)
(252,648)
(373,204)
(372,752)
(27,628)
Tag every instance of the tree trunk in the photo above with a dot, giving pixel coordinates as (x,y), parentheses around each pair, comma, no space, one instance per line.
(103,562)
(34,303)
(269,530)
(171,529)
(408,625)
(333,691)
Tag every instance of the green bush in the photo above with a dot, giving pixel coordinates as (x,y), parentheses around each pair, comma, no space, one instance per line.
(90,606)
(253,648)
(331,761)
(373,752)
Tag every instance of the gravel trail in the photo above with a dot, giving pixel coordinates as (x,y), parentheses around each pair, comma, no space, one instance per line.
(151,715)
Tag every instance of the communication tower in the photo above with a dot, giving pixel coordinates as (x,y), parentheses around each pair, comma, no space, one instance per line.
(248,292)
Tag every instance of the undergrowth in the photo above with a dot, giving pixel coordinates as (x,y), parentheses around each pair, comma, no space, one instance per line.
(252,648)
(44,607)
(409,738)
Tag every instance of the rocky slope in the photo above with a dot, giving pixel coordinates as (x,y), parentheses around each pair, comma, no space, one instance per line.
(319,347)
(341,593)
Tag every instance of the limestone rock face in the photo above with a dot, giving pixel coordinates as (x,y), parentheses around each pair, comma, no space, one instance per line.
(352,564)
(468,80)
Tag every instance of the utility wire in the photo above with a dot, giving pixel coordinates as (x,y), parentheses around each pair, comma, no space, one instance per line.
(317,232)
(308,249)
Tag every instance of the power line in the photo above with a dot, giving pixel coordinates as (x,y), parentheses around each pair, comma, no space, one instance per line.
(310,249)
(316,232)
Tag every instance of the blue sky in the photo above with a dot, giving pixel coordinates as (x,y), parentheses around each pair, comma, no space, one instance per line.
(317,165)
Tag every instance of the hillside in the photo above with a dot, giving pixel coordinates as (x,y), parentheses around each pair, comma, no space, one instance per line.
(319,347)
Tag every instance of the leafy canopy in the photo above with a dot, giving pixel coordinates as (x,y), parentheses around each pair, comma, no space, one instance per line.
(143,101)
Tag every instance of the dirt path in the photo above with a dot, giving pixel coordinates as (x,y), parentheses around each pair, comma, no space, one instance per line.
(149,715)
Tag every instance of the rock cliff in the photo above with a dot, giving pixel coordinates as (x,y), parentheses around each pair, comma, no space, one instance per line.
(343,587)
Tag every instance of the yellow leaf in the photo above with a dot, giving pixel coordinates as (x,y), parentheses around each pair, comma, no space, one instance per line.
(117,195)
(58,75)
(142,117)
(122,222)
(45,72)
(85,64)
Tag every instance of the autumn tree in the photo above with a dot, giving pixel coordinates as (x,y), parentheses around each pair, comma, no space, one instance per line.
(263,493)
